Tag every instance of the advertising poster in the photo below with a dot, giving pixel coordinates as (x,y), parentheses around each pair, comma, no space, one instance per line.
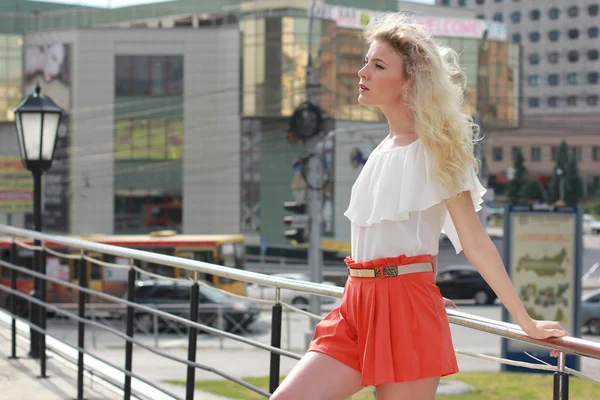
(543,255)
(50,66)
(16,186)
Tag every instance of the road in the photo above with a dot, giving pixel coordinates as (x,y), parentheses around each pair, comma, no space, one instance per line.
(447,256)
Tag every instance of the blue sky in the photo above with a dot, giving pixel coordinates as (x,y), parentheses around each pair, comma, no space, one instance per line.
(105,3)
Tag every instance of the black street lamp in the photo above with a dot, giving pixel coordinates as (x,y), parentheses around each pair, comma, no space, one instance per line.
(37,119)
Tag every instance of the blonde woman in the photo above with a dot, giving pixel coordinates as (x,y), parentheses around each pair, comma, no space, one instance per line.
(391,330)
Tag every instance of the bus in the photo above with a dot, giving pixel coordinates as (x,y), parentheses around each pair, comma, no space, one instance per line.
(226,250)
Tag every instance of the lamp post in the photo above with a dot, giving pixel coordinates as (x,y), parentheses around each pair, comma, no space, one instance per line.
(561,178)
(37,119)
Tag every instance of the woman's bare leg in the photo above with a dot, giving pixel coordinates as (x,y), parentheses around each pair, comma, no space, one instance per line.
(423,389)
(319,377)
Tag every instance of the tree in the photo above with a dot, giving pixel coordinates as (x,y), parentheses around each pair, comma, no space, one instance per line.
(515,185)
(574,184)
(531,192)
(559,178)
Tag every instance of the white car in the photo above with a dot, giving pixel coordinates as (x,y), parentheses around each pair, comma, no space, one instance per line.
(591,225)
(296,298)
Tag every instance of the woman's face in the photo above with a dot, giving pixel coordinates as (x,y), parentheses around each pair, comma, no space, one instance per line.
(382,78)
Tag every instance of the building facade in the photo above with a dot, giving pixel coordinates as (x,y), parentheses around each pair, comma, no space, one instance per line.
(152,132)
(189,128)
(561,68)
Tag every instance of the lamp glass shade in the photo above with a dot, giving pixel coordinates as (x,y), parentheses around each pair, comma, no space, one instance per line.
(37,134)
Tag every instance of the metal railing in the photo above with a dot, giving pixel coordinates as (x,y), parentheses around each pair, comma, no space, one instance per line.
(565,345)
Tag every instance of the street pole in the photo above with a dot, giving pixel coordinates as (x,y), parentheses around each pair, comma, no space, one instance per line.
(315,191)
(480,146)
(34,336)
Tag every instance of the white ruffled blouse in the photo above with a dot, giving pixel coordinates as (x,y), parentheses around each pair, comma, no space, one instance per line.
(397,207)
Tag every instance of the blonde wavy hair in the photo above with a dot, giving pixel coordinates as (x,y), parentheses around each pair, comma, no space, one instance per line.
(433,94)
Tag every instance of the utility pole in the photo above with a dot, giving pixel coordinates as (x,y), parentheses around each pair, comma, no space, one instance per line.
(315,175)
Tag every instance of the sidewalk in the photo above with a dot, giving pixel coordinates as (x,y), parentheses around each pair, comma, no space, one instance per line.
(19,379)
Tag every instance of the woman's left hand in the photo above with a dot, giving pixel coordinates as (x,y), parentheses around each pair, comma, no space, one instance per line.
(546,330)
(448,303)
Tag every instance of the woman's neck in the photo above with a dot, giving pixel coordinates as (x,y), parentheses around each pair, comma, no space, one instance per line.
(400,122)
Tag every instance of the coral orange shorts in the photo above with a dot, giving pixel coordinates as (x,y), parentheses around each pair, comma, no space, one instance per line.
(390,329)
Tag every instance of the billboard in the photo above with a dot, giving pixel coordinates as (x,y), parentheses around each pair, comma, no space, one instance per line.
(16,186)
(50,66)
(543,255)
(355,18)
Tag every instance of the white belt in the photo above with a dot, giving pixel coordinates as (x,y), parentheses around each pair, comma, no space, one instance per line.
(390,272)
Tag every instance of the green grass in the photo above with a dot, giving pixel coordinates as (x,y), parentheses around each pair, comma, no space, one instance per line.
(487,386)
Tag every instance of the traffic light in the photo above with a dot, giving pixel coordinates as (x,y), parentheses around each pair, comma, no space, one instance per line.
(298,223)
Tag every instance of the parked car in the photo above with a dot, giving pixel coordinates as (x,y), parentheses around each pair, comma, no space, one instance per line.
(590,312)
(174,297)
(296,298)
(591,225)
(463,282)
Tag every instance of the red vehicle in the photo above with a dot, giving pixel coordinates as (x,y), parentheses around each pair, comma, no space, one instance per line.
(226,250)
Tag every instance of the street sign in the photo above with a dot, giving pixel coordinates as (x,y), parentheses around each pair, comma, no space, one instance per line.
(543,249)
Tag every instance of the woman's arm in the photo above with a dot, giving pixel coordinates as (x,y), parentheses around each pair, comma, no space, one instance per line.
(482,253)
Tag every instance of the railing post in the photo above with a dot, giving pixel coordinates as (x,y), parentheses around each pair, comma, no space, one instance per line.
(129,332)
(275,342)
(43,315)
(13,299)
(35,309)
(192,339)
(561,380)
(83,283)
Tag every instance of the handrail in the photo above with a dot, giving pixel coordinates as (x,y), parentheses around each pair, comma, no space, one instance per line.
(566,344)
(172,261)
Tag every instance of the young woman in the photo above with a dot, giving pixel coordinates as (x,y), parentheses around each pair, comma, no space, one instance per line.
(391,330)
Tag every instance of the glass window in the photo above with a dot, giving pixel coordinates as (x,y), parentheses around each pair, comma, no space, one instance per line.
(573,33)
(592,100)
(554,35)
(515,16)
(516,38)
(553,79)
(554,13)
(592,77)
(573,78)
(140,74)
(596,153)
(534,80)
(174,75)
(536,154)
(480,16)
(462,3)
(534,36)
(122,75)
(593,10)
(498,153)
(534,102)
(534,58)
(573,11)
(535,15)
(593,32)
(554,152)
(576,152)
(157,76)
(553,101)
(592,55)
(445,2)
(553,57)
(513,152)
(480,2)
(497,1)
(572,101)
(499,17)
(573,56)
